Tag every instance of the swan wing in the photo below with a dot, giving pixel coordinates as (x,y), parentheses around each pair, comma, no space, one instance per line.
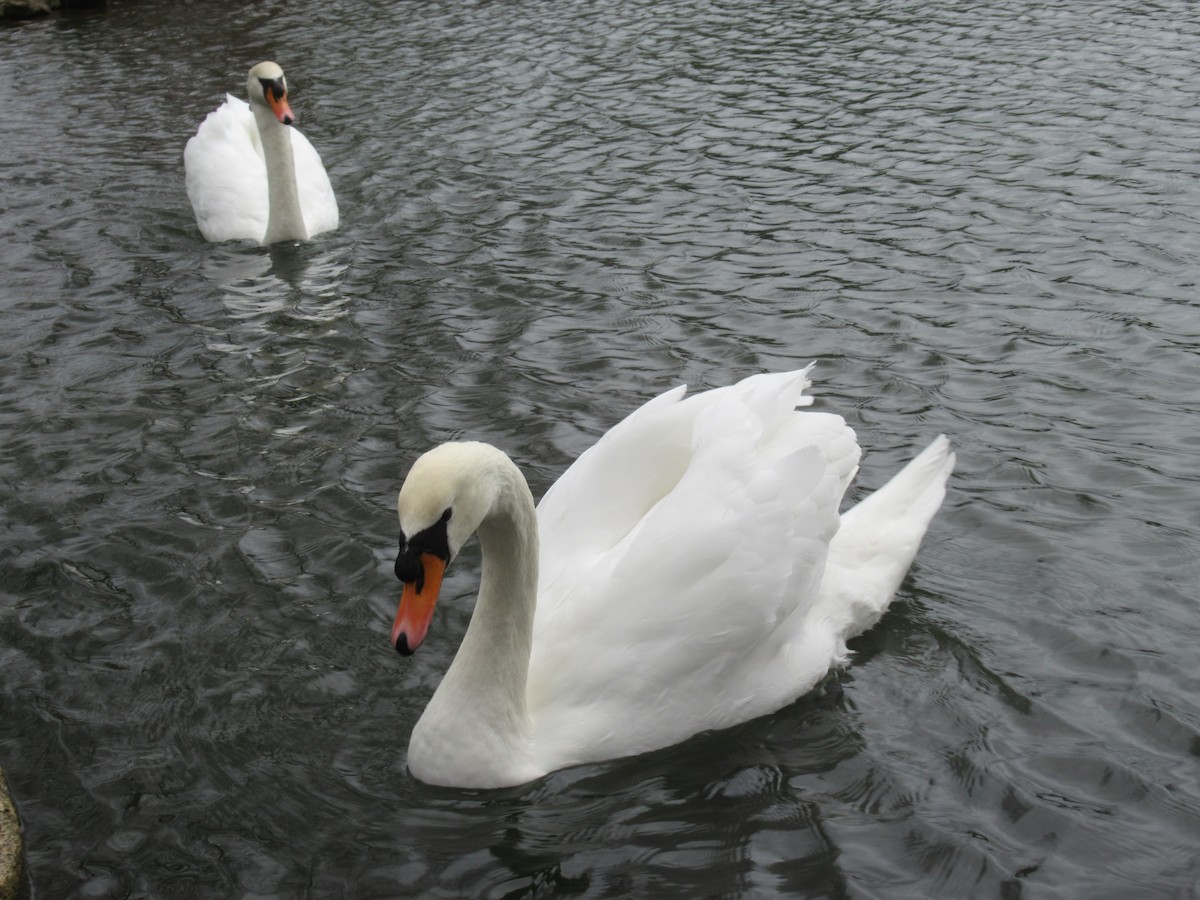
(226,174)
(317,202)
(681,556)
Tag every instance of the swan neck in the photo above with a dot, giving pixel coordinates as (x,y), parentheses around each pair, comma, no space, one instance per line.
(480,708)
(498,641)
(285,221)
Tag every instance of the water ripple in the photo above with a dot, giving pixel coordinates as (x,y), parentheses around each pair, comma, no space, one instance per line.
(983,221)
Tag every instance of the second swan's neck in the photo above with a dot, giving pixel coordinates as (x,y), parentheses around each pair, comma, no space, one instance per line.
(285,221)
(477,725)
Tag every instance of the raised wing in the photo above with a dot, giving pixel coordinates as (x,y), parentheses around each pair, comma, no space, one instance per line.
(226,174)
(681,552)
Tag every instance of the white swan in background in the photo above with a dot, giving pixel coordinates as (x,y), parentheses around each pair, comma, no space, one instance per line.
(251,176)
(688,572)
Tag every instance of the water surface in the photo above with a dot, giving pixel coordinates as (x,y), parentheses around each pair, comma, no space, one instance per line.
(982,220)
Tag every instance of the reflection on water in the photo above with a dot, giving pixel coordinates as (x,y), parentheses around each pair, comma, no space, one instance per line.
(272,275)
(982,221)
(277,302)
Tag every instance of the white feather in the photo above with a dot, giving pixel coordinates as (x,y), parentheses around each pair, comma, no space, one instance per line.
(227,171)
(694,573)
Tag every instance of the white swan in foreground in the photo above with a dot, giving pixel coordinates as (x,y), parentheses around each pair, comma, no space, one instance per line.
(251,176)
(688,572)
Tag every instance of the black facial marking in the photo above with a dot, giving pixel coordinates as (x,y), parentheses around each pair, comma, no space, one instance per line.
(275,91)
(409,568)
(273,88)
(434,540)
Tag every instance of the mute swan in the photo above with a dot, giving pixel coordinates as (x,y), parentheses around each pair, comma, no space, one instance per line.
(250,176)
(688,572)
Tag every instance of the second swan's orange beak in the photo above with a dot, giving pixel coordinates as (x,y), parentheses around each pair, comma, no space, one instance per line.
(417,601)
(276,95)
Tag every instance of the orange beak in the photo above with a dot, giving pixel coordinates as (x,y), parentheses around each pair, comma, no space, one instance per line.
(416,606)
(279,106)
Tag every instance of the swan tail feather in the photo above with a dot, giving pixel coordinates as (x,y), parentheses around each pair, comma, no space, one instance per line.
(877,541)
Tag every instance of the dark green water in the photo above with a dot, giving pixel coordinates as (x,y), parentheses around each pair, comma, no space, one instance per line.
(983,220)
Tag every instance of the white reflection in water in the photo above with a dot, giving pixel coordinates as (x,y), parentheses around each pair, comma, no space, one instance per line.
(261,282)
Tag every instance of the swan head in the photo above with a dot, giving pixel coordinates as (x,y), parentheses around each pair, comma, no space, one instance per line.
(448,493)
(266,86)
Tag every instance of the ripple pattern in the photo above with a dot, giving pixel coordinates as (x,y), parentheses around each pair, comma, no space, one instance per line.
(983,219)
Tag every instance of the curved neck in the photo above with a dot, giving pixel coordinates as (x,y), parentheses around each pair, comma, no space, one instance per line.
(285,221)
(481,728)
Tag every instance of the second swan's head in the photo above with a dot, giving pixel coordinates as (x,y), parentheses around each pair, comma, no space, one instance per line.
(267,87)
(448,493)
